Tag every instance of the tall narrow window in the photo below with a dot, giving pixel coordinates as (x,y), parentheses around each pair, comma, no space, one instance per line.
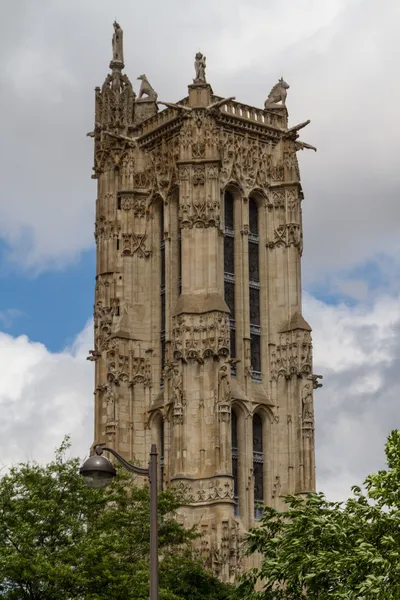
(258,465)
(180,262)
(235,458)
(229,268)
(254,291)
(162,290)
(162,443)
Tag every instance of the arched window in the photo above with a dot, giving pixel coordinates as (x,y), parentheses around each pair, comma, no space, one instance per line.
(258,465)
(235,460)
(229,268)
(162,289)
(254,291)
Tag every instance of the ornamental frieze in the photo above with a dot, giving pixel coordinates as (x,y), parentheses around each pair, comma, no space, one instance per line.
(135,203)
(197,337)
(248,161)
(202,212)
(292,355)
(287,235)
(134,244)
(105,229)
(206,490)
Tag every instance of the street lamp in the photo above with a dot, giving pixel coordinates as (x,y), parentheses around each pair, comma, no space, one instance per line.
(97,472)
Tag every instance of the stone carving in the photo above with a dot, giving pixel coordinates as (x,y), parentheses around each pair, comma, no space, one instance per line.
(126,362)
(292,355)
(205,212)
(199,175)
(198,149)
(286,235)
(248,161)
(117,365)
(206,490)
(200,68)
(135,244)
(314,380)
(224,397)
(117,43)
(291,164)
(137,204)
(278,93)
(146,89)
(105,230)
(177,397)
(114,103)
(103,320)
(307,403)
(110,403)
(224,386)
(139,367)
(163,162)
(197,337)
(276,487)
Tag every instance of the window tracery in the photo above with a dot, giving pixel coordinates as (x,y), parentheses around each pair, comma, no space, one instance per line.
(229,268)
(254,292)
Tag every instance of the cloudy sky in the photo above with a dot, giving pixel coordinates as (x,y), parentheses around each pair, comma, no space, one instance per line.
(341,59)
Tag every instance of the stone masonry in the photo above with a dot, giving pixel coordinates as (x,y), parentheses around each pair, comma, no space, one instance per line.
(199,341)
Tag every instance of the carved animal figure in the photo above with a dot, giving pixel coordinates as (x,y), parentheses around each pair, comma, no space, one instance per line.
(278,93)
(147,89)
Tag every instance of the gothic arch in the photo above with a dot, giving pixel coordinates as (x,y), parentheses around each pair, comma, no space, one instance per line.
(234,188)
(262,462)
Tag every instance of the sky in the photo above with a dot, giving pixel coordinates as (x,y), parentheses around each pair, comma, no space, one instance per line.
(340,58)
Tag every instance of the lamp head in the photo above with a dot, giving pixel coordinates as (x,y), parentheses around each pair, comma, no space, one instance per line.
(97,471)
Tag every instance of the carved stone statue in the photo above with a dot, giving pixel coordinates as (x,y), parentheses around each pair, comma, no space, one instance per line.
(110,401)
(307,403)
(224,386)
(278,93)
(177,387)
(200,68)
(147,89)
(117,43)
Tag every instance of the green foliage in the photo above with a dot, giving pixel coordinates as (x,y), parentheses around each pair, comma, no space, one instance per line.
(61,540)
(325,550)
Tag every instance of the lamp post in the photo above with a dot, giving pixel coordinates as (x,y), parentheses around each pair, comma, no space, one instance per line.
(97,472)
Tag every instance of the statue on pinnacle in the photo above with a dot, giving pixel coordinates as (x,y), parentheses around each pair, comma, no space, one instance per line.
(200,68)
(117,44)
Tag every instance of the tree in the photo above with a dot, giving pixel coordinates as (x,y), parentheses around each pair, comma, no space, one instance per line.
(319,549)
(61,540)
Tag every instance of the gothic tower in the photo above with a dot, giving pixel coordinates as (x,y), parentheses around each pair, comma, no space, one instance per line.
(200,344)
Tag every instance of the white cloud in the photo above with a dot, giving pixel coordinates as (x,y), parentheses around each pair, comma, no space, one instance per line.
(44,396)
(339,57)
(356,349)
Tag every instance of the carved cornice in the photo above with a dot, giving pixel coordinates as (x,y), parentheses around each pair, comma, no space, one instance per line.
(197,337)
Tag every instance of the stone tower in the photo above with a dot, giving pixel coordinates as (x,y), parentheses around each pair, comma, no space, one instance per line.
(200,344)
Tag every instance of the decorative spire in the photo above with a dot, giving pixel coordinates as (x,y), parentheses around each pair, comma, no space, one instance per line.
(117,47)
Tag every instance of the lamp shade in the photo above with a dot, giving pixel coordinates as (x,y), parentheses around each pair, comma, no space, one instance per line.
(97,471)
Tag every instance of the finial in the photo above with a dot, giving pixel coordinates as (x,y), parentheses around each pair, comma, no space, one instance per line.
(200,68)
(117,46)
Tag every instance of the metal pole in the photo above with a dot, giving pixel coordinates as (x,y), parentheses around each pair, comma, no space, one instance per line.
(153,524)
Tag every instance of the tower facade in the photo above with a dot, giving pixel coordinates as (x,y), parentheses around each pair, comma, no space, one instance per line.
(200,344)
